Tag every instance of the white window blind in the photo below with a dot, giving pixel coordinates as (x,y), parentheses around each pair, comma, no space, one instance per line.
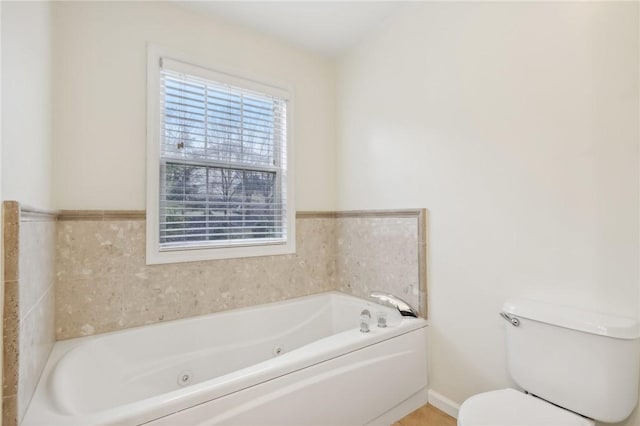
(223,162)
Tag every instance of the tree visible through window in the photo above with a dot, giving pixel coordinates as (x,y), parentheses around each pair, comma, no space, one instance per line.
(222,163)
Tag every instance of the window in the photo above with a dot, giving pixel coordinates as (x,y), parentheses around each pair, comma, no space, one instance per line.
(218,165)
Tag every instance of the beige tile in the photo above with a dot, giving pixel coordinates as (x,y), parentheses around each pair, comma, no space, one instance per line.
(11,226)
(112,253)
(378,254)
(88,306)
(36,262)
(37,336)
(103,283)
(128,245)
(11,344)
(29,308)
(96,215)
(86,249)
(9,411)
(165,293)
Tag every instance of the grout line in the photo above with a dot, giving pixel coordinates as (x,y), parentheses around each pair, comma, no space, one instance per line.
(100,215)
(40,299)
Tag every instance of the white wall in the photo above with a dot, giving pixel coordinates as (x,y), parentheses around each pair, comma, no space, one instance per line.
(100,97)
(26,102)
(516,124)
(1,228)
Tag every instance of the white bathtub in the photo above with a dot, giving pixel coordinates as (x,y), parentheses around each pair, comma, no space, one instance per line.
(301,361)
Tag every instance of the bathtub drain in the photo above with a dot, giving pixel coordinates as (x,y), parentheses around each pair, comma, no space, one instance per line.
(184,378)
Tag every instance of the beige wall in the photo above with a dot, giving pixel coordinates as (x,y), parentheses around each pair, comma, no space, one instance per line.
(516,124)
(100,97)
(26,102)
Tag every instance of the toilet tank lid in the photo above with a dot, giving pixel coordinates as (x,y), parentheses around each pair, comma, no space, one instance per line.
(615,326)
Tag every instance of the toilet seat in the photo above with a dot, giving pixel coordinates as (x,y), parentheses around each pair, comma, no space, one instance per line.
(509,407)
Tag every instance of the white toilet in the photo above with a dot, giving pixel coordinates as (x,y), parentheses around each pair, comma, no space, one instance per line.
(574,367)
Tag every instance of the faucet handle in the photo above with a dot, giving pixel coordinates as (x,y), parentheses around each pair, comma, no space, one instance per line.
(382,319)
(365,319)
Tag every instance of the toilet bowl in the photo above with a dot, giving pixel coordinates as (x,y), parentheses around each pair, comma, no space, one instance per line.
(575,366)
(509,407)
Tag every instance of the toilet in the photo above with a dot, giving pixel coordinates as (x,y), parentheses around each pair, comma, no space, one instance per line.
(573,367)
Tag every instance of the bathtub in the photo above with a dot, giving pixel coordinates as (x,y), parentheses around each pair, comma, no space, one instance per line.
(300,361)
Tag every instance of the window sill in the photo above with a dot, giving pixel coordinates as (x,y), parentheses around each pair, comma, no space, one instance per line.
(157,256)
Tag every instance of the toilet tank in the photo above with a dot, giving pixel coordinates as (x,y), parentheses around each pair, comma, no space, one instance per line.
(584,361)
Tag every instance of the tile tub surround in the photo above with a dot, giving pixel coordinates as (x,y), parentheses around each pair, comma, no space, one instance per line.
(384,251)
(103,283)
(29,241)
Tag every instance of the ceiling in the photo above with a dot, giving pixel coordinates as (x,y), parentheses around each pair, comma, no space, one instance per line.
(329,28)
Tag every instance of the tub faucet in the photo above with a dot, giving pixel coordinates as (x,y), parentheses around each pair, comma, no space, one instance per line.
(365,319)
(389,299)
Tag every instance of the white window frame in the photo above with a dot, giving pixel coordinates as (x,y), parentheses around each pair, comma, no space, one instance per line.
(155,254)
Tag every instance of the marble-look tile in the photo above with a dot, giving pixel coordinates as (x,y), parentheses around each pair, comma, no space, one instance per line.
(378,253)
(104,283)
(87,249)
(11,225)
(9,411)
(37,336)
(36,262)
(206,287)
(11,337)
(28,304)
(88,306)
(165,292)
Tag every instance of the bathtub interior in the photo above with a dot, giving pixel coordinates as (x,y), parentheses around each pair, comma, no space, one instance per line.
(141,363)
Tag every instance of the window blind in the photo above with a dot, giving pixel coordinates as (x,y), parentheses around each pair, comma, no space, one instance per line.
(222,162)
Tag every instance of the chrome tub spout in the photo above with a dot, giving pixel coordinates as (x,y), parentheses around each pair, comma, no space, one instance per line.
(389,299)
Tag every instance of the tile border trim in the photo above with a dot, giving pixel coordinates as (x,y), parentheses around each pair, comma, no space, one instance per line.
(11,239)
(100,215)
(34,214)
(359,213)
(423,256)
(10,312)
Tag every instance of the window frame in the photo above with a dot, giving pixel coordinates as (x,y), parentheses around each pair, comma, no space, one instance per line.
(155,254)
